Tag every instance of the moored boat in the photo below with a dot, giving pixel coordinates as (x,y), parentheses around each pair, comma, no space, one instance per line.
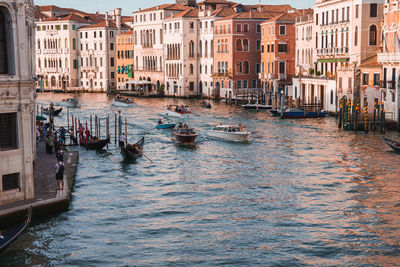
(11,235)
(299,113)
(133,151)
(229,132)
(256,106)
(95,143)
(184,135)
(177,111)
(123,102)
(392,144)
(166,126)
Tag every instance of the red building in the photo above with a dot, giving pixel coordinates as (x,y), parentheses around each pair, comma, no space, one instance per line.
(237,50)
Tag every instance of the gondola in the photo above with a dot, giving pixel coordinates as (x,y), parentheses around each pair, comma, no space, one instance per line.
(133,151)
(56,111)
(393,144)
(8,237)
(97,145)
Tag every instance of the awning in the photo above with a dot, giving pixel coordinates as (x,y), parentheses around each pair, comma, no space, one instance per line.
(333,60)
(139,82)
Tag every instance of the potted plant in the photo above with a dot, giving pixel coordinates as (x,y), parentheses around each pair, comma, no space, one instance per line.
(311,71)
(318,73)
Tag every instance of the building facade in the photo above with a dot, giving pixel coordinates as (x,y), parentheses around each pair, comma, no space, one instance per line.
(389,59)
(124,60)
(17,100)
(149,44)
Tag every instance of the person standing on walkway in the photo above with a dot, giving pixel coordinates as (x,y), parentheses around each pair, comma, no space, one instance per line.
(60,174)
(49,143)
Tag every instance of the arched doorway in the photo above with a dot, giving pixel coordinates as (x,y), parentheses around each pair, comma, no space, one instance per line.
(53,82)
(217,91)
(200,88)
(158,85)
(322,94)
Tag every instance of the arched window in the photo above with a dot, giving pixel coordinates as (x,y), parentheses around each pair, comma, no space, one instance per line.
(219,67)
(226,45)
(245,45)
(191,49)
(206,49)
(219,46)
(356,36)
(200,49)
(246,67)
(212,48)
(331,97)
(372,35)
(6,52)
(239,46)
(191,69)
(239,67)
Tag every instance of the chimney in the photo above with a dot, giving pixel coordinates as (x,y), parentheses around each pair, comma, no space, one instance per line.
(118,19)
(107,23)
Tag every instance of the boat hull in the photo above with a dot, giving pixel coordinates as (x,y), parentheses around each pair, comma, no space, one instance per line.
(299,115)
(166,126)
(172,114)
(56,111)
(255,107)
(392,144)
(96,145)
(184,138)
(230,136)
(122,104)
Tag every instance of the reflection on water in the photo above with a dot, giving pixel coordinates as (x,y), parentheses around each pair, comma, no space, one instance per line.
(301,192)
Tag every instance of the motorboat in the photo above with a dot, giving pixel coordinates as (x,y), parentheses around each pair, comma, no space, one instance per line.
(71,102)
(184,135)
(299,113)
(205,104)
(123,102)
(166,126)
(177,111)
(229,133)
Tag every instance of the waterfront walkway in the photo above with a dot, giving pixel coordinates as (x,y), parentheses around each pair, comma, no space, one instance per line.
(47,199)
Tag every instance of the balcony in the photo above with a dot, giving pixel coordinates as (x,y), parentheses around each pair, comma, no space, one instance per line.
(89,68)
(282,76)
(388,57)
(332,51)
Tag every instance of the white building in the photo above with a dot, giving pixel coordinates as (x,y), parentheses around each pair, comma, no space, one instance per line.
(149,44)
(57,51)
(346,33)
(97,52)
(17,100)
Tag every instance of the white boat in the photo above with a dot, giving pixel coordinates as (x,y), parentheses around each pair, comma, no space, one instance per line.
(229,132)
(71,102)
(123,102)
(176,111)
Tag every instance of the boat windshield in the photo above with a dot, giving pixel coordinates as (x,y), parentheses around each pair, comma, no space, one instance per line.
(185,131)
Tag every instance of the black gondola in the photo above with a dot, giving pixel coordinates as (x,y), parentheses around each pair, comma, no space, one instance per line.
(133,151)
(56,111)
(393,144)
(8,237)
(96,145)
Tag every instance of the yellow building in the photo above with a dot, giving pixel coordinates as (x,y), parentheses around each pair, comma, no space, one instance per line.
(124,60)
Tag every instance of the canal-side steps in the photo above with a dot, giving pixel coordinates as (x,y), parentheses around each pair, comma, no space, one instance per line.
(47,201)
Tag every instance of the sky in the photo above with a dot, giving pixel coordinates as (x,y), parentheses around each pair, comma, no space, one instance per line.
(128,6)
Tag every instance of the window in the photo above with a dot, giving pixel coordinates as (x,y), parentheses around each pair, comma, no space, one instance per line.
(239,84)
(373,10)
(245,84)
(356,36)
(111,34)
(246,67)
(191,69)
(239,46)
(111,46)
(282,48)
(258,28)
(8,131)
(73,27)
(258,45)
(191,49)
(245,27)
(372,35)
(238,27)
(5,42)
(254,83)
(376,79)
(282,30)
(11,182)
(112,62)
(191,86)
(101,34)
(282,67)
(65,27)
(245,45)
(258,68)
(73,44)
(365,79)
(357,11)
(331,97)
(75,64)
(316,19)
(112,75)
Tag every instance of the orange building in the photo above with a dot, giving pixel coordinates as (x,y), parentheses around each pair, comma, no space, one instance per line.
(124,60)
(278,53)
(237,52)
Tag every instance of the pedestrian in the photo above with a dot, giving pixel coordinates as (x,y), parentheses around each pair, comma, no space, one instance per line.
(62,134)
(50,143)
(60,174)
(60,152)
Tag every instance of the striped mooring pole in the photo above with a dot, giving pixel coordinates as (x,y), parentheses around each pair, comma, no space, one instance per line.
(366,117)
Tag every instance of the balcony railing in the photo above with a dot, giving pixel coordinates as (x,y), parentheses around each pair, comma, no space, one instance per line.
(332,51)
(282,76)
(388,57)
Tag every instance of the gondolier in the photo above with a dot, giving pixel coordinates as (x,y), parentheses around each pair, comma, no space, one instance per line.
(122,140)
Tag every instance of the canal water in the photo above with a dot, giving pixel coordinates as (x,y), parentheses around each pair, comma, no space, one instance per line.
(301,193)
